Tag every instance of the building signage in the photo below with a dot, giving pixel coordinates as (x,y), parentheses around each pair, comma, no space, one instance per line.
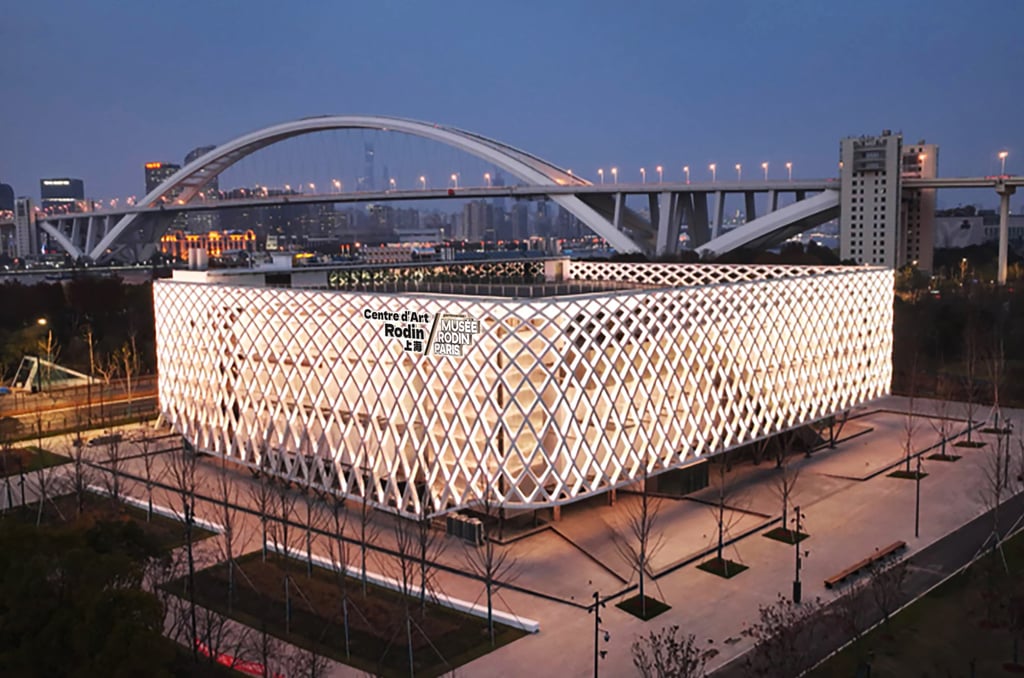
(427,333)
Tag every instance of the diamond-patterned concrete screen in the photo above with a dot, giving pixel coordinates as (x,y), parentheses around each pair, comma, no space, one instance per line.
(555,399)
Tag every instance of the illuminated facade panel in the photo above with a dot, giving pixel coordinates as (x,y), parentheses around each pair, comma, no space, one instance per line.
(536,402)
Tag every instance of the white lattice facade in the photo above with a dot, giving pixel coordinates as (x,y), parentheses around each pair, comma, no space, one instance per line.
(556,399)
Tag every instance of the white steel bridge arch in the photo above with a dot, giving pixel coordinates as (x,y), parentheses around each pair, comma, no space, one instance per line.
(187,182)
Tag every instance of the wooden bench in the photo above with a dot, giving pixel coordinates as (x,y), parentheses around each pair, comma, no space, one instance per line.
(877,556)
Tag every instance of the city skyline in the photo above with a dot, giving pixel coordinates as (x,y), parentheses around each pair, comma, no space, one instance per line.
(569,93)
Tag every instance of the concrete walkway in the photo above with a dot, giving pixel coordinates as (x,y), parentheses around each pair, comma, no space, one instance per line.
(851,504)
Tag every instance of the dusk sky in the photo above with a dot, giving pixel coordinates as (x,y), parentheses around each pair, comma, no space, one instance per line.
(95,89)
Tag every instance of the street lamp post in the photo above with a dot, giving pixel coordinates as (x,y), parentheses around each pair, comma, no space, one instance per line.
(392,183)
(1002,162)
(789,170)
(739,172)
(643,175)
(599,654)
(423,182)
(600,173)
(661,177)
(615,175)
(713,167)
(764,166)
(487,179)
(917,500)
(796,542)
(455,180)
(686,172)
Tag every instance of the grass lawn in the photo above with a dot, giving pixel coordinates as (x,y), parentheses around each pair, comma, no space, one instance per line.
(376,621)
(961,624)
(166,533)
(27,459)
(632,606)
(785,535)
(722,567)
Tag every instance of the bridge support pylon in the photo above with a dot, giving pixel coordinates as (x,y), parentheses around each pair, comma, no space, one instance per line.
(1004,192)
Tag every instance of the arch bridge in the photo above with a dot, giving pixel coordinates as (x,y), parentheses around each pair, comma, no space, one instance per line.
(133,233)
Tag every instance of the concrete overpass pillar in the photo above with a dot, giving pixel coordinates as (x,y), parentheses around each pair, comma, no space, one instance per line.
(773,200)
(699,230)
(667,214)
(716,225)
(1004,192)
(750,209)
(617,218)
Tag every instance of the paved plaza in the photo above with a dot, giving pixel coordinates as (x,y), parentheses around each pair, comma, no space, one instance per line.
(851,505)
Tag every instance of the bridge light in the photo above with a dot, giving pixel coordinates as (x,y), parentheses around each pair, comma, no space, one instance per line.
(686,171)
(487,179)
(789,170)
(739,172)
(660,170)
(1002,161)
(455,180)
(643,175)
(615,175)
(423,182)
(713,167)
(764,166)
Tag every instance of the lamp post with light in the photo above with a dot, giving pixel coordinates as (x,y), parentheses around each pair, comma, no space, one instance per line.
(660,170)
(739,172)
(487,179)
(615,175)
(789,170)
(1002,162)
(764,166)
(600,173)
(686,173)
(713,167)
(643,175)
(423,182)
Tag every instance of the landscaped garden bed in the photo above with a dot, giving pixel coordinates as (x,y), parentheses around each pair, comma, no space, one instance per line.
(443,639)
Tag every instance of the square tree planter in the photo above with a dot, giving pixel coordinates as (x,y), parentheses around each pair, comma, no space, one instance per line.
(723,567)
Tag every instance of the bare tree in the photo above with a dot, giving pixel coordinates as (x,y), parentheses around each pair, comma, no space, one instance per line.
(910,419)
(128,357)
(80,476)
(261,493)
(107,370)
(853,611)
(406,533)
(429,547)
(42,482)
(783,639)
(886,583)
(284,500)
(668,653)
(150,474)
(970,380)
(368,529)
(725,518)
(942,423)
(113,462)
(491,562)
(998,481)
(995,363)
(233,541)
(642,540)
(182,470)
(783,484)
(338,551)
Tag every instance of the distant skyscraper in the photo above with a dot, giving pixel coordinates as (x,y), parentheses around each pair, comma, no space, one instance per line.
(917,214)
(869,179)
(26,235)
(366,181)
(6,198)
(61,193)
(158,172)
